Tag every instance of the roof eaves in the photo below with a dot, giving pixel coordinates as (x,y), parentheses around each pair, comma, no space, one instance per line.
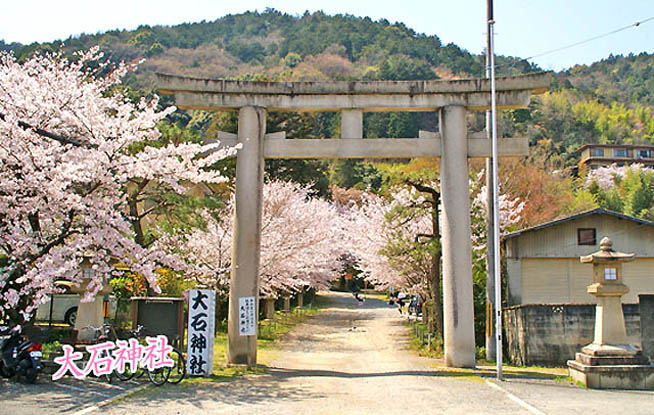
(600,211)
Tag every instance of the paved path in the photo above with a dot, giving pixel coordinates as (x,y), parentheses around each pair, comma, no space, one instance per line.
(67,395)
(353,360)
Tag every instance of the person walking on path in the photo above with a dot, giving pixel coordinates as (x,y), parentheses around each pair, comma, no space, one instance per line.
(355,293)
(400,301)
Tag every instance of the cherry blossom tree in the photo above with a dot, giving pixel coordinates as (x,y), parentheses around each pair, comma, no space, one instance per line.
(509,212)
(626,189)
(70,142)
(206,250)
(397,240)
(301,242)
(301,239)
(366,237)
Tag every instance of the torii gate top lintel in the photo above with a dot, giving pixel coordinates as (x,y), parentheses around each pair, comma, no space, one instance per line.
(367,96)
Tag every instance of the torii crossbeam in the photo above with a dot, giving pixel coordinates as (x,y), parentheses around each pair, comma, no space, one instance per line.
(453,144)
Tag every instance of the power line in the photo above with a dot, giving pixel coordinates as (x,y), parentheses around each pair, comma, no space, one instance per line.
(592,38)
(636,24)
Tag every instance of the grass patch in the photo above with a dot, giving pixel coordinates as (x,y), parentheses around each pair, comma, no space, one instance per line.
(422,343)
(50,348)
(376,295)
(507,370)
(568,380)
(421,346)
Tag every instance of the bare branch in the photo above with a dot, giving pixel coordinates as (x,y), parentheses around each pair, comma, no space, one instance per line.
(56,137)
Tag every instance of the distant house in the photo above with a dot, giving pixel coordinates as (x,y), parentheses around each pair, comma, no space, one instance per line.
(543,261)
(600,155)
(550,316)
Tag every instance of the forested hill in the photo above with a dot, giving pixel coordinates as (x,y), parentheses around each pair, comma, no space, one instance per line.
(610,101)
(617,78)
(312,46)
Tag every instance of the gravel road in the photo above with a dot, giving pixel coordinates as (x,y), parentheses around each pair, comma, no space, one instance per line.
(353,359)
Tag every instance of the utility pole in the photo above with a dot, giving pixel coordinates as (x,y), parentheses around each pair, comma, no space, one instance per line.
(490,209)
(496,225)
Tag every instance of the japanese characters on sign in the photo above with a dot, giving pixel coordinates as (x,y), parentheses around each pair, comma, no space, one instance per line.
(247,313)
(108,357)
(201,332)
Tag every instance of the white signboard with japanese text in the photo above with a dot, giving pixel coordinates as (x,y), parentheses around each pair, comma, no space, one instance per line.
(247,316)
(201,332)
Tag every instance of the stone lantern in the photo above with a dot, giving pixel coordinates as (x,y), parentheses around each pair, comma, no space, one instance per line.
(607,286)
(90,313)
(609,361)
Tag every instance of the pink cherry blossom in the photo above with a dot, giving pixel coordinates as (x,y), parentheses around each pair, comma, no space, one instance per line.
(605,177)
(377,223)
(67,153)
(301,242)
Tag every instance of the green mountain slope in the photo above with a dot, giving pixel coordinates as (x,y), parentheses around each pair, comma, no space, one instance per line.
(610,101)
(274,43)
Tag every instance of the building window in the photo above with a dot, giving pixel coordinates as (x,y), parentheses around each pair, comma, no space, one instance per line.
(620,152)
(643,154)
(598,152)
(586,236)
(610,274)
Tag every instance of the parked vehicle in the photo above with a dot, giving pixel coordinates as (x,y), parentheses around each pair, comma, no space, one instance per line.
(64,306)
(20,356)
(415,306)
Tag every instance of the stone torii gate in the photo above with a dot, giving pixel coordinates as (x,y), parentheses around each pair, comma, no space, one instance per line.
(453,144)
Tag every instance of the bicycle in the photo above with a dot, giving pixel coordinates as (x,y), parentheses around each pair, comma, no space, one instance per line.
(100,335)
(173,374)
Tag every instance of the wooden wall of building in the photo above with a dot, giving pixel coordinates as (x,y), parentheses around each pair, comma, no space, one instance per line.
(543,265)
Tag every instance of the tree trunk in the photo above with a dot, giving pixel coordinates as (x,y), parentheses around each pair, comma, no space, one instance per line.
(269,307)
(435,282)
(436,320)
(137,227)
(300,298)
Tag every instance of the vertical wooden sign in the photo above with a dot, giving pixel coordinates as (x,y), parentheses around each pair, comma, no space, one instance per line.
(201,332)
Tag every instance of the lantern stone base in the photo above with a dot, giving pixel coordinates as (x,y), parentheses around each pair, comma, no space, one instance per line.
(612,367)
(88,314)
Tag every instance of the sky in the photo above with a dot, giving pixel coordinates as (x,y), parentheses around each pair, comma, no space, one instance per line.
(523,28)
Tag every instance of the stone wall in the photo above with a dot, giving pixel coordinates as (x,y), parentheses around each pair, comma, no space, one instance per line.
(551,334)
(647,324)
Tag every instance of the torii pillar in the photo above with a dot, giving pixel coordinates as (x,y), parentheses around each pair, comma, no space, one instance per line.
(452,99)
(458,309)
(247,231)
